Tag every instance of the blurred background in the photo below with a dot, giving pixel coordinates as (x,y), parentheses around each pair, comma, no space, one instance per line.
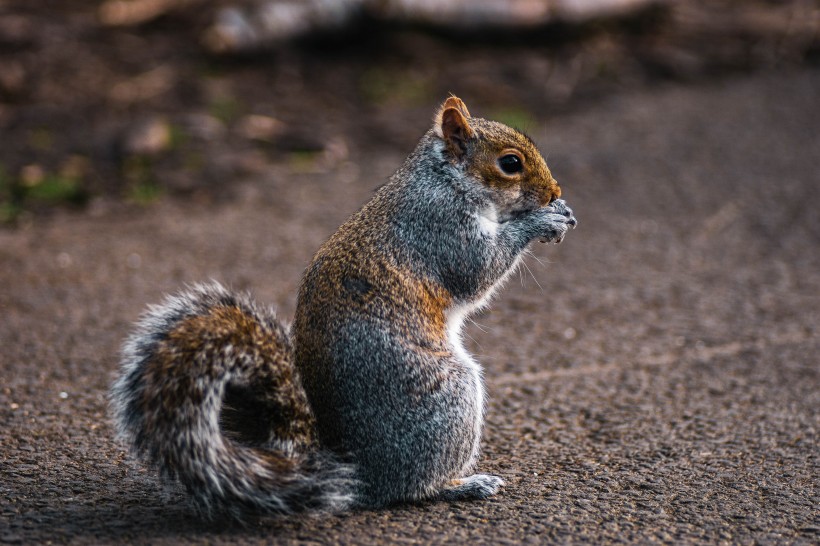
(120,103)
(653,379)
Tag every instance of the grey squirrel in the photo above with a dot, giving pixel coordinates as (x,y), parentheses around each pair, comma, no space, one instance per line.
(370,399)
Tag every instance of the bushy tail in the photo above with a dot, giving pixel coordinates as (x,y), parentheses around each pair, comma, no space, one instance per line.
(209,395)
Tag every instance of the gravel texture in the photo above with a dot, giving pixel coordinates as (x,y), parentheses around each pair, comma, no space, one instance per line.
(652,379)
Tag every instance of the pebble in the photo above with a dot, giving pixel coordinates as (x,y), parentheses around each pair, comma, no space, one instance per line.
(149,136)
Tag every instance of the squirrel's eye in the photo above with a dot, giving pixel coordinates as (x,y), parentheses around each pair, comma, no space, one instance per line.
(510,164)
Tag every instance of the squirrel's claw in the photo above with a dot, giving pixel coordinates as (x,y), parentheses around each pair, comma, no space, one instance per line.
(559,206)
(560,219)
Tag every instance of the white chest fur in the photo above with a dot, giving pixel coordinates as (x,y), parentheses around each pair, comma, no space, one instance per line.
(488,221)
(455,321)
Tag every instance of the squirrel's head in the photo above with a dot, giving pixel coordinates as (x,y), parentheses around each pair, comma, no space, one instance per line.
(506,161)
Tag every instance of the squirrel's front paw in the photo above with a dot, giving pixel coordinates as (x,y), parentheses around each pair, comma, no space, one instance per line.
(558,219)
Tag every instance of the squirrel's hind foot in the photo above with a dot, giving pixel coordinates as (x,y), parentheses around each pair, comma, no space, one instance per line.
(475,487)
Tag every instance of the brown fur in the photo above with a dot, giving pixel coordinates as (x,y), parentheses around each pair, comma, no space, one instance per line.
(371,398)
(275,401)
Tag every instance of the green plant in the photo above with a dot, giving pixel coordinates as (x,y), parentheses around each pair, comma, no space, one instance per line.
(514,117)
(407,87)
(36,187)
(9,207)
(226,109)
(142,185)
(55,189)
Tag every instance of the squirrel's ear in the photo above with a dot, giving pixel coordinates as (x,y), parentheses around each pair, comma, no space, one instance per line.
(455,102)
(452,125)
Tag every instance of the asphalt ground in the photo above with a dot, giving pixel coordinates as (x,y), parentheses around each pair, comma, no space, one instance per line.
(652,379)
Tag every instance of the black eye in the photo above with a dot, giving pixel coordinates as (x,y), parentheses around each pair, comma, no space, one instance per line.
(510,164)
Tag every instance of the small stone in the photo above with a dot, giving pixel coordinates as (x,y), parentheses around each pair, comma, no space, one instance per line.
(13,79)
(64,260)
(147,137)
(203,126)
(134,260)
(258,127)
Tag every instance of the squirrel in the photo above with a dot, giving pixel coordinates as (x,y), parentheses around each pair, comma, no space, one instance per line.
(370,398)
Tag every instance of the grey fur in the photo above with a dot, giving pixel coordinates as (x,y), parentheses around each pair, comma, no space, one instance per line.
(422,225)
(221,475)
(371,399)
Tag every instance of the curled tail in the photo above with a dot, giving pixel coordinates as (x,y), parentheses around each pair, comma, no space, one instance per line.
(209,395)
